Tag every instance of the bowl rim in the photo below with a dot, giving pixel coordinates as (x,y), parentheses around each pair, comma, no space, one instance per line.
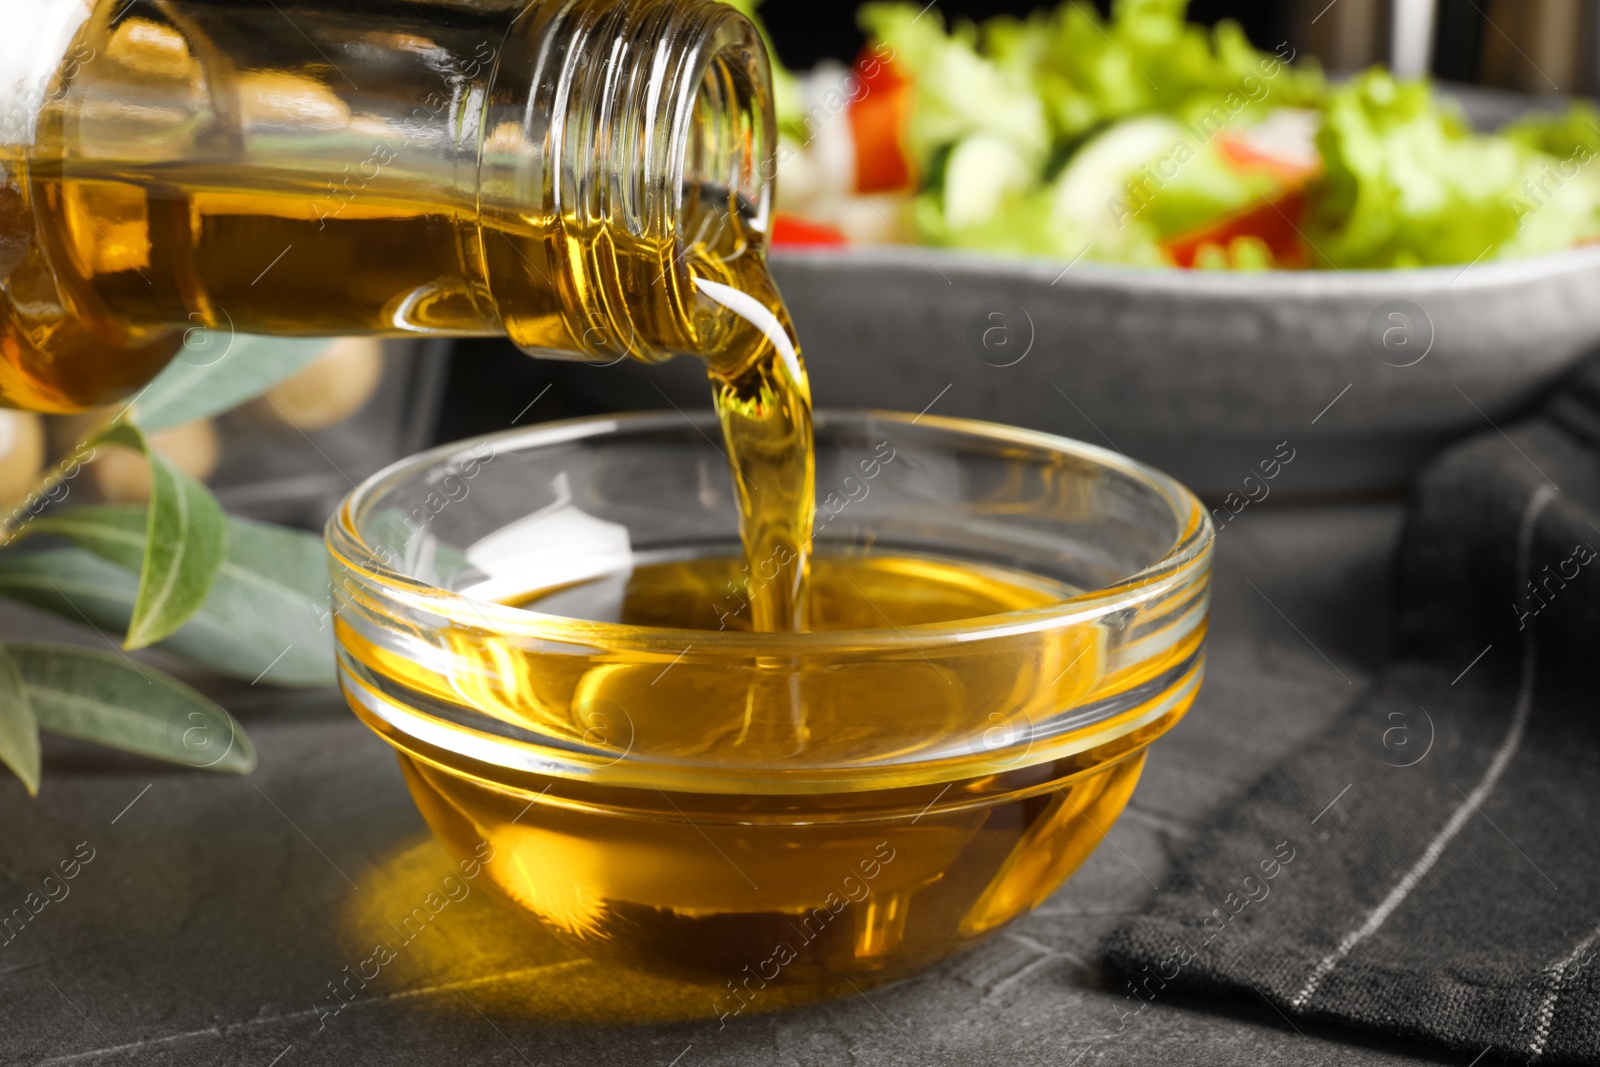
(1176,565)
(1174,281)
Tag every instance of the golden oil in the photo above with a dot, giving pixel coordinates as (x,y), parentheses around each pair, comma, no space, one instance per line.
(710,844)
(211,166)
(814,893)
(141,246)
(60,351)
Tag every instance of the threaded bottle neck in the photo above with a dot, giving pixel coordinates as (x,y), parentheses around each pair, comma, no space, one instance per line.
(646,136)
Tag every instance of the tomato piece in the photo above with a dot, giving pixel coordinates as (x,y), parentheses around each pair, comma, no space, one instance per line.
(879,119)
(1274,222)
(1244,156)
(792,231)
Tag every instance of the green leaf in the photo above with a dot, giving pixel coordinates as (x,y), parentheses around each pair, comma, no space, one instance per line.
(270,596)
(216,372)
(19,730)
(107,698)
(280,562)
(186,535)
(1408,183)
(265,620)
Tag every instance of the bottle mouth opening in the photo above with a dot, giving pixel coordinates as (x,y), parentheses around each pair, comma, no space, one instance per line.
(714,209)
(728,163)
(663,157)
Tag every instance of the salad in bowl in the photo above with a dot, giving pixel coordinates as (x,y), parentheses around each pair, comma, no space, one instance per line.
(1143,139)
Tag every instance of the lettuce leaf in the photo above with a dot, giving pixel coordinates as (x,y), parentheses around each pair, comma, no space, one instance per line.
(787,97)
(1408,183)
(959,92)
(1145,59)
(1561,134)
(1017,132)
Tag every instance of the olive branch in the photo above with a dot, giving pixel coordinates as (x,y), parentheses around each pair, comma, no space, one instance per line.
(238,598)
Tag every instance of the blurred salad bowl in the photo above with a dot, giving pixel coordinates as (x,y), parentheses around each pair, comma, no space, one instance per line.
(993,222)
(1143,139)
(1332,383)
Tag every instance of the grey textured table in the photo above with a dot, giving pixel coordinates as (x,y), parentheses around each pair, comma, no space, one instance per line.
(217,911)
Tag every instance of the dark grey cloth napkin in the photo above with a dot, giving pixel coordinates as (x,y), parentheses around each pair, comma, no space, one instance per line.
(1430,867)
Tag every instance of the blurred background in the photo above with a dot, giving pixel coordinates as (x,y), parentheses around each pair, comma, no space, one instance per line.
(1539,46)
(1496,56)
(292,456)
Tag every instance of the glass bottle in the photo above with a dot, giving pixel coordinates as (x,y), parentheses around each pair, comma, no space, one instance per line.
(547,170)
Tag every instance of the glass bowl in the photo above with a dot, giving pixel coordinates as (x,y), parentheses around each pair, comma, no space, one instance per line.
(1003,620)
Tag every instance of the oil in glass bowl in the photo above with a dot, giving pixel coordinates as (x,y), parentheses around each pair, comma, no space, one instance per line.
(997,630)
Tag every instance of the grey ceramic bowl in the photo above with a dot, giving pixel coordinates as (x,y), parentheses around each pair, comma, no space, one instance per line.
(1359,377)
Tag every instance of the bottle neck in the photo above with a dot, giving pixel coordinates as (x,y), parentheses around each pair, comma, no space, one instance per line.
(630,141)
(558,171)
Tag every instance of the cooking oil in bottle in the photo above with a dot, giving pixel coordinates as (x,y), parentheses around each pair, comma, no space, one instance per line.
(589,177)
